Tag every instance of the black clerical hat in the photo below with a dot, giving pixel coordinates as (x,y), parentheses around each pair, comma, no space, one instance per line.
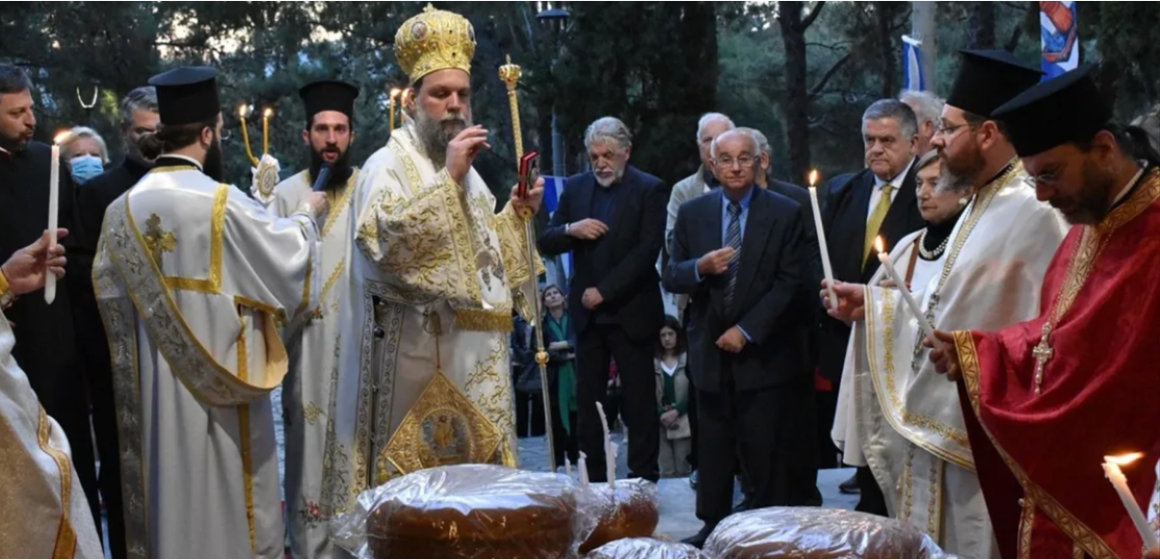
(328,95)
(1066,109)
(187,95)
(988,79)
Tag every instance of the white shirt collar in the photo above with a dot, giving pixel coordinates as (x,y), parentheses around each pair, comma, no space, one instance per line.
(896,182)
(186,158)
(1128,188)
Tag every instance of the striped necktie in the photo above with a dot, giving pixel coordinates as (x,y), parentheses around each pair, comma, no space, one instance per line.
(733,239)
(875,223)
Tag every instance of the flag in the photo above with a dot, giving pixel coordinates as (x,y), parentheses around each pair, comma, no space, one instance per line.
(912,78)
(553,189)
(1059,35)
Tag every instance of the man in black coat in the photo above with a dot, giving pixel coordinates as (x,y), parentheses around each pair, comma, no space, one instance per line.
(138,118)
(737,251)
(878,201)
(613,221)
(46,339)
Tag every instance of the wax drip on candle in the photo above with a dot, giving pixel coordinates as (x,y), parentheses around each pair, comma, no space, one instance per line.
(1119,482)
(609,447)
(582,466)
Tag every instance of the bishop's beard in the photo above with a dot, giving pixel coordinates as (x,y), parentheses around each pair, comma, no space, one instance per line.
(213,166)
(959,177)
(435,134)
(340,170)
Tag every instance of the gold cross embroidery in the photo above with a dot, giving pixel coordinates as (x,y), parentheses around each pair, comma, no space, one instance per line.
(1043,354)
(158,241)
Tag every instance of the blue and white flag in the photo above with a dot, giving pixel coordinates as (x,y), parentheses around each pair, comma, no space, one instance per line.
(1059,34)
(912,77)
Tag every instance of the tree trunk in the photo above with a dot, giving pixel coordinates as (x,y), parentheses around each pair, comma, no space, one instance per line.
(981,25)
(890,74)
(923,28)
(797,110)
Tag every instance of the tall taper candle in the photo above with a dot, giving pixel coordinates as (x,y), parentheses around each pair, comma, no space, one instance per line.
(609,447)
(266,130)
(927,328)
(53,211)
(1120,483)
(391,106)
(823,247)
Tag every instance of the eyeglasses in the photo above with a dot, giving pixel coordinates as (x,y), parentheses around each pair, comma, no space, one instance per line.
(945,130)
(744,161)
(1047,179)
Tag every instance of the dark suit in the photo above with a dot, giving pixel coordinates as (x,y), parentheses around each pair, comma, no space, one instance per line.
(752,404)
(844,218)
(621,265)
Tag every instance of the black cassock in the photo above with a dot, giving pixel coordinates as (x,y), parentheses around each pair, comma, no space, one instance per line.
(46,346)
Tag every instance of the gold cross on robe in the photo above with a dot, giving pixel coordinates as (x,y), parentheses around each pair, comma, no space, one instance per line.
(1043,353)
(158,241)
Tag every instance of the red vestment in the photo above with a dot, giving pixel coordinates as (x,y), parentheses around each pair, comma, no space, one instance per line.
(1039,456)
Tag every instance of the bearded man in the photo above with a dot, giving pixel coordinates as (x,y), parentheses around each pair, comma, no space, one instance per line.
(913,436)
(328,135)
(424,376)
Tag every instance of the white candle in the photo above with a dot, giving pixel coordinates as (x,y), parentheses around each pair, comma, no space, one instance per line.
(53,210)
(822,246)
(609,447)
(1120,483)
(582,466)
(567,467)
(927,328)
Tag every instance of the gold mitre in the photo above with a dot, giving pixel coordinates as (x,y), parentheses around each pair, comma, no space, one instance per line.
(434,40)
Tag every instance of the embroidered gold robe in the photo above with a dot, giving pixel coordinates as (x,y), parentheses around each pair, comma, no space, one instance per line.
(313,373)
(435,274)
(43,510)
(194,280)
(906,417)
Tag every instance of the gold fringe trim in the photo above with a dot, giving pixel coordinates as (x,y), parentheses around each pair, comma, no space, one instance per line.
(484,321)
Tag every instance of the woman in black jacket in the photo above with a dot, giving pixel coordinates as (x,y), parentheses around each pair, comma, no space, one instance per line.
(560,340)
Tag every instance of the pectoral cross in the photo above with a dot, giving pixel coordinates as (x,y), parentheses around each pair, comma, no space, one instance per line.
(1043,353)
(158,241)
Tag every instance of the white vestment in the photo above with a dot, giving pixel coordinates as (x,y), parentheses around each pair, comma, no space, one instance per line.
(314,370)
(195,281)
(431,257)
(43,510)
(896,414)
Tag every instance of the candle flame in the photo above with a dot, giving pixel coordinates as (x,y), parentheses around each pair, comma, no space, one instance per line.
(394,92)
(242,110)
(1123,460)
(879,245)
(268,113)
(61,136)
(813,177)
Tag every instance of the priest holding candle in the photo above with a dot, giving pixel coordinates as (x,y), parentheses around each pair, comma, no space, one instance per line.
(990,277)
(1047,400)
(196,283)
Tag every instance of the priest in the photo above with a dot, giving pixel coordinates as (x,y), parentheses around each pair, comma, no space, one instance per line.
(194,281)
(990,274)
(425,378)
(43,509)
(308,408)
(1046,399)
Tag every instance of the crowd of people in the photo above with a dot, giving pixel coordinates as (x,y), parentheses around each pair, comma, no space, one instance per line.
(975,390)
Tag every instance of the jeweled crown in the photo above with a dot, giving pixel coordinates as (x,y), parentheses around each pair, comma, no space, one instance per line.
(434,40)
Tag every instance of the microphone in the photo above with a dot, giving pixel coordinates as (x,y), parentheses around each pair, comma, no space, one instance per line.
(323,178)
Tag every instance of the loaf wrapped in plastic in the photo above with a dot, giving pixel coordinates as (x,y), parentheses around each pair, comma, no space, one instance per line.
(630,509)
(817,533)
(646,548)
(468,511)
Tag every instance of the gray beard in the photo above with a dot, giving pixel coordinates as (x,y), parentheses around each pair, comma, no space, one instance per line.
(434,138)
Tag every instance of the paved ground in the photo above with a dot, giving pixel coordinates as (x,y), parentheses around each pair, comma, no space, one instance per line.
(677,499)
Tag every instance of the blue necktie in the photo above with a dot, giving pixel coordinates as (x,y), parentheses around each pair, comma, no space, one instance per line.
(733,239)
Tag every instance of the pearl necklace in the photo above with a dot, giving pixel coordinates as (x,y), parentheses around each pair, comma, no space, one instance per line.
(938,251)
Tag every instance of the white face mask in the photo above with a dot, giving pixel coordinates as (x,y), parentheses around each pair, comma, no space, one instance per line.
(85,167)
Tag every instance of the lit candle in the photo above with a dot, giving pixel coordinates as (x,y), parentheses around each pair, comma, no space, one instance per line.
(1120,483)
(927,328)
(53,211)
(266,130)
(609,447)
(242,110)
(822,245)
(394,94)
(582,466)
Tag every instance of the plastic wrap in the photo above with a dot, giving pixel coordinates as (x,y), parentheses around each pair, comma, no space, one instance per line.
(817,533)
(646,548)
(629,510)
(468,511)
